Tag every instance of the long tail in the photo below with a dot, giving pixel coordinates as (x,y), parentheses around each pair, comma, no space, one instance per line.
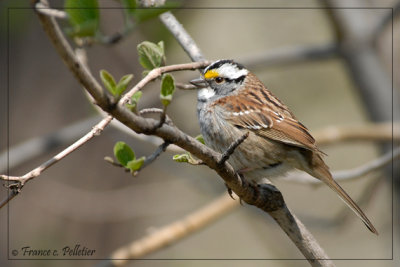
(322,172)
(352,205)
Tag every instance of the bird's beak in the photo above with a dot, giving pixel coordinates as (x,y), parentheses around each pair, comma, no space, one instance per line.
(199,83)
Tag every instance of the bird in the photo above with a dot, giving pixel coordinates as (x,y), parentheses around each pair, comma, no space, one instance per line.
(231,102)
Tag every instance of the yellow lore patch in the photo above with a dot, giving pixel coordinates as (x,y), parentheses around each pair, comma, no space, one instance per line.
(211,74)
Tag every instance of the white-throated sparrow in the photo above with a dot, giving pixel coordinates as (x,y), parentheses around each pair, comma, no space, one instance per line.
(233,101)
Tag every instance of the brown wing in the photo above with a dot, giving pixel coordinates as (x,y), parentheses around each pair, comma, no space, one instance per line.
(266,121)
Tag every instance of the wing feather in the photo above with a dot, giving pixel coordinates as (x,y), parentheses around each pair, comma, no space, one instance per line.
(267,122)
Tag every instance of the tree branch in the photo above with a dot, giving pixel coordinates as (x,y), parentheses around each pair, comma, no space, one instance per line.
(155,73)
(22,180)
(29,149)
(225,156)
(79,70)
(363,62)
(360,171)
(155,155)
(289,55)
(50,12)
(97,129)
(36,146)
(181,36)
(173,232)
(12,192)
(369,132)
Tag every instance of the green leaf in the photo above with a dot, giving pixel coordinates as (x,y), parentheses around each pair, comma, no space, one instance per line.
(135,164)
(122,84)
(151,55)
(167,85)
(83,17)
(187,158)
(108,81)
(167,89)
(123,153)
(134,101)
(200,139)
(181,158)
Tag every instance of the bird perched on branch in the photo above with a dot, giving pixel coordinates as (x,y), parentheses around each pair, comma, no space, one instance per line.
(233,101)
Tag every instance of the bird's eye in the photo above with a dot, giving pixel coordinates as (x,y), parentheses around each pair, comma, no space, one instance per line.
(219,80)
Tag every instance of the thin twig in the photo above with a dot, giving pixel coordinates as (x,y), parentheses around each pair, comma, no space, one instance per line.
(153,140)
(155,73)
(112,162)
(150,111)
(181,36)
(155,155)
(150,159)
(34,147)
(225,156)
(372,166)
(80,71)
(97,129)
(11,194)
(164,118)
(360,171)
(59,14)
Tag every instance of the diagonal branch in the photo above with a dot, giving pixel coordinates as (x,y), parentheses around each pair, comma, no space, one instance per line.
(155,73)
(155,155)
(22,180)
(40,7)
(36,146)
(80,71)
(360,171)
(225,156)
(181,35)
(172,233)
(12,192)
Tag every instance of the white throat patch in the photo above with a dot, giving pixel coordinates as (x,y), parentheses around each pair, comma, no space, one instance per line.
(205,93)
